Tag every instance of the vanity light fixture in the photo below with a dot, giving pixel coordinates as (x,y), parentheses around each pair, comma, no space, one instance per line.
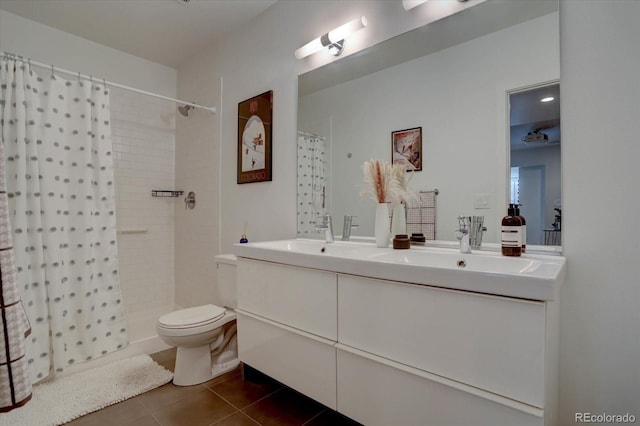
(410,4)
(333,40)
(547,99)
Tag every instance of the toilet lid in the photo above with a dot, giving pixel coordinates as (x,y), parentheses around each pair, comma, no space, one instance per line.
(191,316)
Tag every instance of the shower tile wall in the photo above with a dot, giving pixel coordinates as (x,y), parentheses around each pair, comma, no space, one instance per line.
(143,133)
(197,169)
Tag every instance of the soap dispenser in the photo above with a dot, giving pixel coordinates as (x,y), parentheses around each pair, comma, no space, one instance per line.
(511,233)
(524,227)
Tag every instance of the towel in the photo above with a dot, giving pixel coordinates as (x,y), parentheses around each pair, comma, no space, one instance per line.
(15,383)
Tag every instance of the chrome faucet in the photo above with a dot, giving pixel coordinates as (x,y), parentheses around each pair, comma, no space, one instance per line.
(462,234)
(327,227)
(348,227)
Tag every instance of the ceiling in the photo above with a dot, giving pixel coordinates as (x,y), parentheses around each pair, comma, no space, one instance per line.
(528,114)
(167,32)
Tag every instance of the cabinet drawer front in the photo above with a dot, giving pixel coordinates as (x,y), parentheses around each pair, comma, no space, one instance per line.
(493,343)
(374,393)
(304,363)
(298,297)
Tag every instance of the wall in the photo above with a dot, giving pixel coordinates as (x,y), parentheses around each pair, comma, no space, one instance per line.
(254,59)
(143,136)
(198,169)
(549,157)
(449,94)
(600,319)
(599,342)
(50,46)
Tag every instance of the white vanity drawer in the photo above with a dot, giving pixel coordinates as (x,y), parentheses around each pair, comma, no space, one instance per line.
(298,297)
(376,391)
(492,343)
(302,361)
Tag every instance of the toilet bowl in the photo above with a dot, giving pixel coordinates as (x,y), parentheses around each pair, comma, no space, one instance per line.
(205,336)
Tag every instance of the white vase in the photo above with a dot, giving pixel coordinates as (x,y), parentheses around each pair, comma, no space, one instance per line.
(398,220)
(382,226)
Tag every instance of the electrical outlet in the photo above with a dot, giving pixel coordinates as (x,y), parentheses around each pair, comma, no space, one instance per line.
(481,201)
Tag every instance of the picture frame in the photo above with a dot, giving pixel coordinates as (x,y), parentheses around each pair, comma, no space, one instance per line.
(406,148)
(255,117)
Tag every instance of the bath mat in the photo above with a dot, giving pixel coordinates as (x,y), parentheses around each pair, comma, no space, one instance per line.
(61,400)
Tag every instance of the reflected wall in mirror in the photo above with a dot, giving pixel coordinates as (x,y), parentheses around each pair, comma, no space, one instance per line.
(534,128)
(456,94)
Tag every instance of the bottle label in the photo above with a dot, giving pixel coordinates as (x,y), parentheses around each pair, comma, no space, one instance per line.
(524,235)
(511,236)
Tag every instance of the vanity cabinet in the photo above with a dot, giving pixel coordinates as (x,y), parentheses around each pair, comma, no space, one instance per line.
(387,352)
(287,322)
(453,357)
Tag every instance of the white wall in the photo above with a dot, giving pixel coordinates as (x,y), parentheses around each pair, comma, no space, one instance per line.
(600,318)
(451,95)
(600,344)
(50,46)
(143,132)
(549,157)
(256,58)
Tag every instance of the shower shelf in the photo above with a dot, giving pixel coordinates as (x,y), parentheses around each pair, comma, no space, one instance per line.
(133,230)
(165,193)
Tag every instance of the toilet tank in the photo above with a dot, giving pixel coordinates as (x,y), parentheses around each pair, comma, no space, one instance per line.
(226,265)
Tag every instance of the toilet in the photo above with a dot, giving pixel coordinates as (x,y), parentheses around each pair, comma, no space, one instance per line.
(205,335)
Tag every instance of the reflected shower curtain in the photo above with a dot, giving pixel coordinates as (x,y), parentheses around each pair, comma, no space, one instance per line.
(59,167)
(312,183)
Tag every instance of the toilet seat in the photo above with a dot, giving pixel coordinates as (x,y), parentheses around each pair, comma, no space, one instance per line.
(191,317)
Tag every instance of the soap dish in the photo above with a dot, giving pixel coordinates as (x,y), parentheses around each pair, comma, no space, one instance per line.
(401,241)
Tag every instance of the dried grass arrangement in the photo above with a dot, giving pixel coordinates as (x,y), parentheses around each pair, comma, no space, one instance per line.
(381,185)
(403,194)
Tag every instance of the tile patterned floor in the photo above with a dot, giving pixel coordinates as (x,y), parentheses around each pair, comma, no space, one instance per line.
(228,400)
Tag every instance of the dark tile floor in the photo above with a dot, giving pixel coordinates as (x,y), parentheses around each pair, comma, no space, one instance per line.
(228,400)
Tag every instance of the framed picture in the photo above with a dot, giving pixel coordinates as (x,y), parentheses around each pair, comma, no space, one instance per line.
(254,138)
(406,148)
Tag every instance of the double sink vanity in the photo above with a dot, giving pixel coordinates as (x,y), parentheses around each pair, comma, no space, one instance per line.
(420,336)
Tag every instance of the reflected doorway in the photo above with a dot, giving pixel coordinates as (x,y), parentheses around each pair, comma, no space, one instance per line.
(534,133)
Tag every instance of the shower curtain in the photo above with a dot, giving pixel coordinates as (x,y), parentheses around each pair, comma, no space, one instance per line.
(59,166)
(312,183)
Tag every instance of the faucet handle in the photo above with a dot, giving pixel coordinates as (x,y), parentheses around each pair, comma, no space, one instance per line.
(464,223)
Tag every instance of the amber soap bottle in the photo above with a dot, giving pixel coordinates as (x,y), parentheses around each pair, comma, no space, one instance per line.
(511,233)
(523,229)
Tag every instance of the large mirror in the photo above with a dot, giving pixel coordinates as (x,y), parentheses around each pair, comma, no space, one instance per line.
(453,79)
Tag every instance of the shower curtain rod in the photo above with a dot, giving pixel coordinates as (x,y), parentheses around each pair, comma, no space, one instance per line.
(300,132)
(106,82)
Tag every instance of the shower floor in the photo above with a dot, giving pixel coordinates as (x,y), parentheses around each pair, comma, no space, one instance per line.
(226,400)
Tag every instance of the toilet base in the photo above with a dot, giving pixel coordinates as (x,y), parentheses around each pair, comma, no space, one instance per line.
(193,366)
(220,369)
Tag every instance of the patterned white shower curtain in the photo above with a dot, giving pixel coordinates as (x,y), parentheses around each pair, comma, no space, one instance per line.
(312,183)
(60,184)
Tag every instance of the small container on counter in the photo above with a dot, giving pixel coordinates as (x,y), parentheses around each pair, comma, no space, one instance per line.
(401,242)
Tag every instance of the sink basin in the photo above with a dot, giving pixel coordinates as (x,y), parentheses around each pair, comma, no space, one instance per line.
(530,276)
(303,246)
(489,262)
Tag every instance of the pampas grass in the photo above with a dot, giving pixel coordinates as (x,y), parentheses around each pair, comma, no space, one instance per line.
(381,185)
(403,194)
(387,183)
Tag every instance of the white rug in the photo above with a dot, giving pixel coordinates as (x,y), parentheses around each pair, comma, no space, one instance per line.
(61,400)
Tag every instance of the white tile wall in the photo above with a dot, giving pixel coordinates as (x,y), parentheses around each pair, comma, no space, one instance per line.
(143,132)
(197,169)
